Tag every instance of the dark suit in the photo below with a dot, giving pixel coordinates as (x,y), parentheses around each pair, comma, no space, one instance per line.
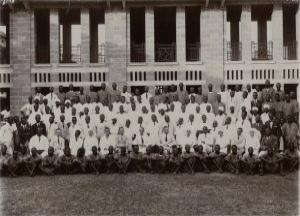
(24,132)
(257,104)
(35,126)
(275,128)
(269,142)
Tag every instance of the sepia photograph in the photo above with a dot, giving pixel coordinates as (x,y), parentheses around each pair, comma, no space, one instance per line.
(149,107)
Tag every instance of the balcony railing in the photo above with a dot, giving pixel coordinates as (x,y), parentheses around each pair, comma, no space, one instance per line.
(73,57)
(165,52)
(290,50)
(137,53)
(262,51)
(193,52)
(234,51)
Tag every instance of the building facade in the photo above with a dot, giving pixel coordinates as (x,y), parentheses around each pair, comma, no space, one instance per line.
(141,42)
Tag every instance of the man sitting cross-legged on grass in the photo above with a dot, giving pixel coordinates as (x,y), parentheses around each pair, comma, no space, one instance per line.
(175,161)
(217,159)
(250,162)
(136,159)
(80,162)
(33,162)
(49,164)
(188,160)
(13,165)
(24,156)
(122,160)
(292,156)
(147,160)
(95,162)
(110,161)
(201,159)
(4,157)
(271,162)
(233,160)
(66,162)
(159,159)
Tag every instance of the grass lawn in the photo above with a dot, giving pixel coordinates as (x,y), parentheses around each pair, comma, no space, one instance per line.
(150,194)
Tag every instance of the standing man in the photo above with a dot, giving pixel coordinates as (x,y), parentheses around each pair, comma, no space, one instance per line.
(115,94)
(182,94)
(103,95)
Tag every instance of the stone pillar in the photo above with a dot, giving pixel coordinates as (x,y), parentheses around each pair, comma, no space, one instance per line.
(115,34)
(180,35)
(94,42)
(277,32)
(20,58)
(67,42)
(149,32)
(54,37)
(298,31)
(85,35)
(246,33)
(128,42)
(211,32)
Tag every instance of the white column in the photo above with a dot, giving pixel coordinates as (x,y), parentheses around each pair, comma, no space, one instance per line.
(180,34)
(54,36)
(277,32)
(149,32)
(85,35)
(246,33)
(298,31)
(128,35)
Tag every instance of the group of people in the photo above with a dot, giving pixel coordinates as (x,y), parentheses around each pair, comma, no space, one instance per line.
(172,130)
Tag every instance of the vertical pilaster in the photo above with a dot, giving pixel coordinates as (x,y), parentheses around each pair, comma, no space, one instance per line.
(277,32)
(54,36)
(298,32)
(85,35)
(246,33)
(180,35)
(149,32)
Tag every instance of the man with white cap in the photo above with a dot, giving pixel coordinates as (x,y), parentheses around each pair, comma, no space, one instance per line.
(220,117)
(206,140)
(28,107)
(223,141)
(265,114)
(7,134)
(51,97)
(239,140)
(35,111)
(90,141)
(253,140)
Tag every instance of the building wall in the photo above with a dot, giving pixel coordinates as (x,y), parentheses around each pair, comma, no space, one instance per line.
(20,58)
(212,67)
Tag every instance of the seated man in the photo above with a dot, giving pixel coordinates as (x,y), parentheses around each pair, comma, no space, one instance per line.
(217,157)
(110,161)
(292,157)
(40,142)
(95,162)
(33,163)
(4,157)
(201,159)
(147,160)
(268,141)
(49,162)
(123,160)
(66,162)
(250,162)
(233,160)
(159,159)
(13,165)
(80,162)
(188,160)
(136,159)
(271,162)
(175,161)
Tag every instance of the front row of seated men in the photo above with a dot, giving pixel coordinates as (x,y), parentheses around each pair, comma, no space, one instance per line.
(154,160)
